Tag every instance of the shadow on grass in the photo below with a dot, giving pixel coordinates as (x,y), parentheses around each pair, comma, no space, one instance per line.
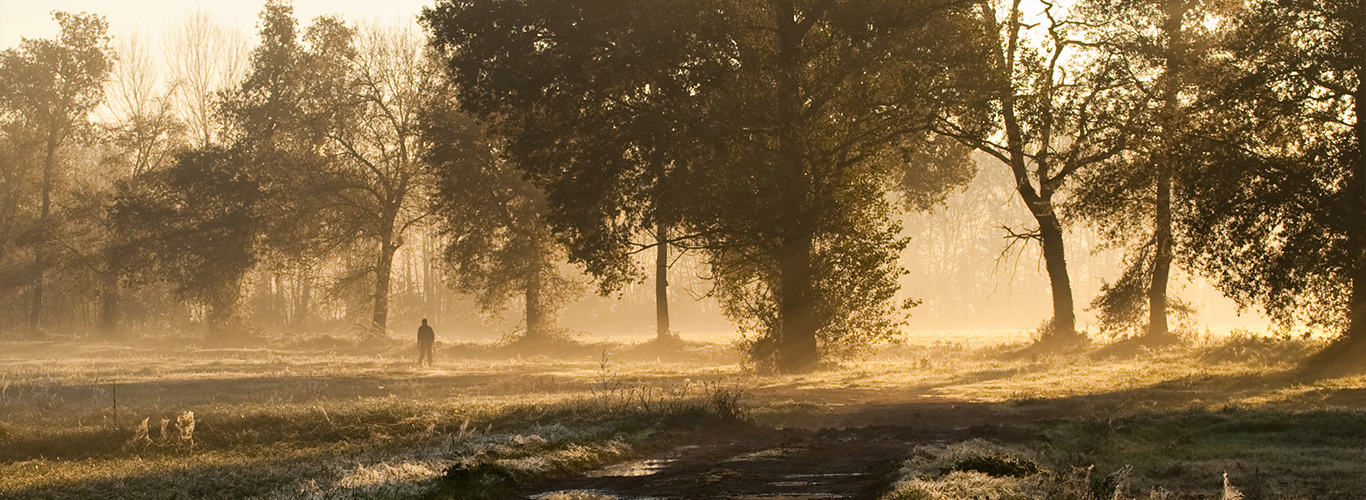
(244,476)
(1177,435)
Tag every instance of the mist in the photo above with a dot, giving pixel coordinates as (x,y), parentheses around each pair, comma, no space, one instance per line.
(630,249)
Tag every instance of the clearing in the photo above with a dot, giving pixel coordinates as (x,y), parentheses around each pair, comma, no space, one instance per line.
(327,419)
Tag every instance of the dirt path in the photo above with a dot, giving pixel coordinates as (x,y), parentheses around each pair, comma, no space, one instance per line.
(847,453)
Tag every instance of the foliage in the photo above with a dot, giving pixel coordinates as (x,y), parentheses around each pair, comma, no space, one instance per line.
(1165,47)
(194,225)
(56,84)
(1276,190)
(858,309)
(603,121)
(1121,305)
(837,104)
(498,245)
(48,89)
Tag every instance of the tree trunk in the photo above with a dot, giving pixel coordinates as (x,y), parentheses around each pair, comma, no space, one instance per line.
(383,269)
(1064,328)
(662,332)
(1356,235)
(428,279)
(222,308)
(797,348)
(1162,233)
(535,315)
(35,312)
(1356,307)
(301,306)
(109,303)
(1162,255)
(279,299)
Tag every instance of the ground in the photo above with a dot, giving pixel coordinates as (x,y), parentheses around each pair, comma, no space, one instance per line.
(323,418)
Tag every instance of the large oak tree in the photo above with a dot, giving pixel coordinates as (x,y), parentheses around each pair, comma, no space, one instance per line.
(791,122)
(1277,187)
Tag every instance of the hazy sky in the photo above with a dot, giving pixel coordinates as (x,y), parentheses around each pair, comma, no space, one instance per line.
(33,19)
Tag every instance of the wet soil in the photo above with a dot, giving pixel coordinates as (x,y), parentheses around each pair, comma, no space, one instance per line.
(852,452)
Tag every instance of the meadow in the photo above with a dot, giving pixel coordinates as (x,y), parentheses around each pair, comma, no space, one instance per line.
(941,418)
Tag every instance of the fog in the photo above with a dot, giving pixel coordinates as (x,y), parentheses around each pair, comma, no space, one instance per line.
(677,249)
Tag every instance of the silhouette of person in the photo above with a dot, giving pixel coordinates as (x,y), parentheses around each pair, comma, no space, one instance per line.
(425,338)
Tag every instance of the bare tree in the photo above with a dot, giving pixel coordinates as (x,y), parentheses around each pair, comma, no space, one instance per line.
(1061,109)
(204,57)
(145,136)
(375,180)
(140,111)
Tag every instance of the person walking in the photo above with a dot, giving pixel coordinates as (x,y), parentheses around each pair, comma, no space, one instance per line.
(425,338)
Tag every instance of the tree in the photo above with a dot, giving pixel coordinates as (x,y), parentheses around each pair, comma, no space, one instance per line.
(54,85)
(1166,47)
(20,185)
(279,119)
(604,139)
(1277,191)
(194,225)
(266,107)
(205,222)
(375,183)
(330,119)
(144,127)
(499,246)
(145,136)
(1056,118)
(795,119)
(205,58)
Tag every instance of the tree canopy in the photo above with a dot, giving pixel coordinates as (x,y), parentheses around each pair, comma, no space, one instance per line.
(48,89)
(1278,192)
(779,126)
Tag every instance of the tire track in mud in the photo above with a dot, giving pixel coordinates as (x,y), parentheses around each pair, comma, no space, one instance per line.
(852,461)
(753,464)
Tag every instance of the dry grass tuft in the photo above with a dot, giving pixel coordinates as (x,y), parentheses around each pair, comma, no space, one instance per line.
(183,423)
(140,437)
(970,469)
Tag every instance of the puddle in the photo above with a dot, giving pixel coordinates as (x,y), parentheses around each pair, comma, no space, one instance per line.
(575,495)
(760,455)
(829,474)
(790,496)
(793,484)
(584,495)
(633,468)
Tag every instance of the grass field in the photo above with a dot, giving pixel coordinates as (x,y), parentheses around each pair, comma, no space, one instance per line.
(327,419)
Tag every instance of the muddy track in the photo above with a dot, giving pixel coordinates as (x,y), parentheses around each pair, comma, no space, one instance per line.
(854,457)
